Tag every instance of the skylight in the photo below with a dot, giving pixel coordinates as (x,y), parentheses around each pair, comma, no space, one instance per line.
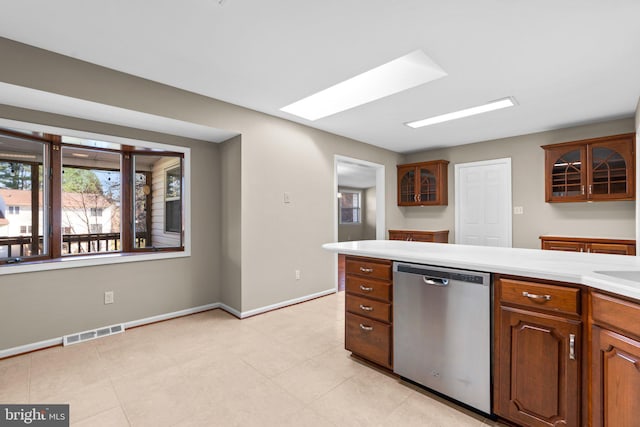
(485,108)
(395,76)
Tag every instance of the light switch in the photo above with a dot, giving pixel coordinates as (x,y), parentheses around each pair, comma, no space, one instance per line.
(518,210)
(287,197)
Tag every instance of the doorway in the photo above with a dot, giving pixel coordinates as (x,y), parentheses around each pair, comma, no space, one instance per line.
(483,203)
(359,204)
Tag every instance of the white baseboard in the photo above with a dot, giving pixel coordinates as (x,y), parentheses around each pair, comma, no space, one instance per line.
(264,309)
(231,310)
(30,347)
(167,316)
(58,341)
(241,315)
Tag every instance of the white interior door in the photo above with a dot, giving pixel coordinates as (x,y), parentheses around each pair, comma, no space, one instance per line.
(483,203)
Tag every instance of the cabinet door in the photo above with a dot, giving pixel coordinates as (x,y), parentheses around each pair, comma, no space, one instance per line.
(538,369)
(610,248)
(565,174)
(428,184)
(553,245)
(611,170)
(407,191)
(616,379)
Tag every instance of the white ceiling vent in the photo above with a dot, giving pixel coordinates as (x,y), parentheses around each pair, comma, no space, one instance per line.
(93,334)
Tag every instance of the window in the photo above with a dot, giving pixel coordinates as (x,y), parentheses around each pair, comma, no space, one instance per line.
(158,201)
(90,202)
(173,215)
(349,207)
(23,196)
(64,195)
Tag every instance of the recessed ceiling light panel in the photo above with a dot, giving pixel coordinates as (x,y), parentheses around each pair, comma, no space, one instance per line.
(396,76)
(485,108)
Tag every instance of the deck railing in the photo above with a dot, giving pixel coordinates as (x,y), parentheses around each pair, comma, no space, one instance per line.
(21,246)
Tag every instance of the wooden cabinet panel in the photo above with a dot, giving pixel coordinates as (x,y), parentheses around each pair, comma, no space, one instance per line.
(616,313)
(369,288)
(368,268)
(616,379)
(539,368)
(589,244)
(537,352)
(370,308)
(423,184)
(540,296)
(440,236)
(593,169)
(368,338)
(610,248)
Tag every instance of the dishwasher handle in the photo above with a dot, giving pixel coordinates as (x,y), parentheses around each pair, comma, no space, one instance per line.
(435,281)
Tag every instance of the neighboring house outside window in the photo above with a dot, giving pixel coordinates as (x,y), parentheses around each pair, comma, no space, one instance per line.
(350,207)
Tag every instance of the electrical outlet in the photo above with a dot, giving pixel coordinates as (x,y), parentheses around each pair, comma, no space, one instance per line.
(287,198)
(518,210)
(297,274)
(108,297)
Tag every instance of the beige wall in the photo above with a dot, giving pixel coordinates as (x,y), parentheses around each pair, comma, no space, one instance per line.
(275,156)
(370,214)
(366,229)
(231,205)
(44,305)
(603,219)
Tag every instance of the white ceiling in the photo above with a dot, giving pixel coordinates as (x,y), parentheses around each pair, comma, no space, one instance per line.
(566,62)
(355,175)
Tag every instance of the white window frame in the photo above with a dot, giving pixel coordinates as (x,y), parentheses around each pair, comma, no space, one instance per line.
(110,258)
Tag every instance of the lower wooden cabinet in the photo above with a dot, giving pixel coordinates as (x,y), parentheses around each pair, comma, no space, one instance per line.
(537,353)
(615,352)
(440,236)
(369,309)
(592,245)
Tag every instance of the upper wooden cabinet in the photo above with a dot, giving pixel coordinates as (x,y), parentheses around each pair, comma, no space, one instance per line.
(591,170)
(422,184)
(440,236)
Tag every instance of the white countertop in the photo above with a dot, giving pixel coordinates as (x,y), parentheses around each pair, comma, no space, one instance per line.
(572,267)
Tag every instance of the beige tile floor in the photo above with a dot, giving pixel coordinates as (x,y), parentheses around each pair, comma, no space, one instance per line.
(284,368)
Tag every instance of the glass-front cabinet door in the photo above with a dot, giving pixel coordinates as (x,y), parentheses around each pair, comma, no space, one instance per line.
(422,184)
(407,185)
(567,179)
(611,168)
(591,170)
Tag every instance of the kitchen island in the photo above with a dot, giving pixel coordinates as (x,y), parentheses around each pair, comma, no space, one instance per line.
(566,326)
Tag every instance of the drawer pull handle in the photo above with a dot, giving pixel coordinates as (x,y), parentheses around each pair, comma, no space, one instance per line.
(536,297)
(365,289)
(572,346)
(366,308)
(366,270)
(366,328)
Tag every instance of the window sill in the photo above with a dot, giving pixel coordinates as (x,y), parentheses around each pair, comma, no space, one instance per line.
(87,261)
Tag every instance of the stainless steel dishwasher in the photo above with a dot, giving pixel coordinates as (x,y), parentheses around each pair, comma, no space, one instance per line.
(442,331)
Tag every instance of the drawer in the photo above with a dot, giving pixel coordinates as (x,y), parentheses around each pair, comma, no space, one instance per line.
(369,339)
(617,313)
(369,308)
(369,268)
(547,297)
(369,288)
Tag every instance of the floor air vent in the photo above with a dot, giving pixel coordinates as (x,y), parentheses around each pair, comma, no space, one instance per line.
(93,334)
